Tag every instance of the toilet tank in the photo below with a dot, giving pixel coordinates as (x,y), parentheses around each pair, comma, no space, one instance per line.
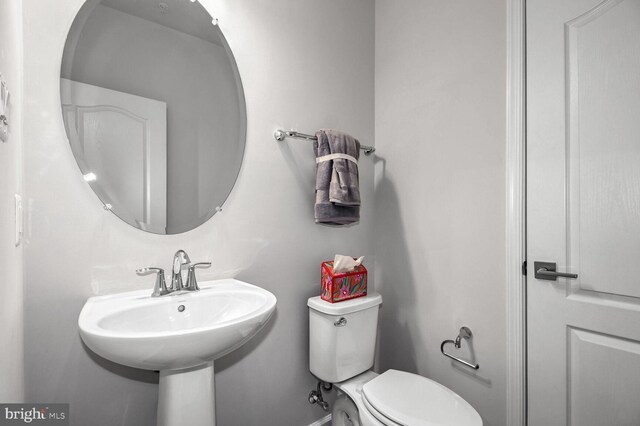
(342,336)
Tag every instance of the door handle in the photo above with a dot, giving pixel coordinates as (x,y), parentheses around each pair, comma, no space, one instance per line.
(547,271)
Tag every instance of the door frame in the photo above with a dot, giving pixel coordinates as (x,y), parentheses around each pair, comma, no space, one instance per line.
(516,215)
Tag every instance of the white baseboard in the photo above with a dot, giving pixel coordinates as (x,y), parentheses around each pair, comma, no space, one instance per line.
(326,420)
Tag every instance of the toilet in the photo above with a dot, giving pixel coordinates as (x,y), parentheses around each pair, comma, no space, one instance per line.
(342,338)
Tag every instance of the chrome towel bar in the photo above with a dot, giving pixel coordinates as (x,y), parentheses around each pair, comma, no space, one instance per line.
(465,333)
(281,135)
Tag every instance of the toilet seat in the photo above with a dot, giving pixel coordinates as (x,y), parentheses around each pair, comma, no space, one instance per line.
(401,398)
(386,421)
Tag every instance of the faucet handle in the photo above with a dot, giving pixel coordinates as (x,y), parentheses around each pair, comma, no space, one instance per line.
(192,282)
(150,270)
(160,287)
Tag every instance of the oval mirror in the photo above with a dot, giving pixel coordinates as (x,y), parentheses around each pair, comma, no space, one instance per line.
(154,110)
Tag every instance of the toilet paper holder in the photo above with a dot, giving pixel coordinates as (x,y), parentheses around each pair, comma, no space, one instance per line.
(466,334)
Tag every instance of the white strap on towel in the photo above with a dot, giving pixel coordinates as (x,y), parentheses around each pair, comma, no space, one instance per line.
(336,156)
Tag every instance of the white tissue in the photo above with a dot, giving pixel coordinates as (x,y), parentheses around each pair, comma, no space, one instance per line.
(345,263)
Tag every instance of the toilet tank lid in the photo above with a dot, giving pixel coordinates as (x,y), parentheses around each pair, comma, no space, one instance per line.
(344,307)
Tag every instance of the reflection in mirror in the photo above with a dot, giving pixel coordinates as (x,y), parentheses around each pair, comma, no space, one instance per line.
(154,110)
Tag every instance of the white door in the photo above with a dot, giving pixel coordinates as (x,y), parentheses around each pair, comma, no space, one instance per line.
(121,139)
(583,196)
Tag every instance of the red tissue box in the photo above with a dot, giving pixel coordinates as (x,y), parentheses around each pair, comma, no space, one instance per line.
(344,285)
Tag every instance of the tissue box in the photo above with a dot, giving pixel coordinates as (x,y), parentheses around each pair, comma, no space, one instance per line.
(342,286)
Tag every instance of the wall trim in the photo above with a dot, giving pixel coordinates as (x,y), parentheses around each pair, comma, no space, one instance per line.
(516,215)
(326,420)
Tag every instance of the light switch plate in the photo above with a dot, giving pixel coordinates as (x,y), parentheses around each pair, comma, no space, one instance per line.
(18,217)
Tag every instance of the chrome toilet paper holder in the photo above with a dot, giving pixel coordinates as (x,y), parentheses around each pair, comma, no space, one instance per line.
(466,334)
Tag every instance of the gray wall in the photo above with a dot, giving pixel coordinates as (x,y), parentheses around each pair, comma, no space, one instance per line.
(11,331)
(440,191)
(265,235)
(122,52)
(439,188)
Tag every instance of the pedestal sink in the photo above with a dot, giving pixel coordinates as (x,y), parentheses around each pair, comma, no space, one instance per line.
(180,335)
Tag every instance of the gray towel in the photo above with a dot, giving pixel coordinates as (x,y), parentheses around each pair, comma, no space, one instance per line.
(337,187)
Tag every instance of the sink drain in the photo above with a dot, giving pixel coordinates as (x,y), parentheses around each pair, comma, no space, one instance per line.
(181,308)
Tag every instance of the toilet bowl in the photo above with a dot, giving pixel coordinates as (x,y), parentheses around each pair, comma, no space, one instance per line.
(348,408)
(341,350)
(398,398)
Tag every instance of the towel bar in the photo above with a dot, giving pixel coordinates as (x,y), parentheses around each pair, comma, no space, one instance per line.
(281,135)
(465,333)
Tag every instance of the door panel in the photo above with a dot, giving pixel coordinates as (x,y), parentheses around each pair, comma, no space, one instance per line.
(589,386)
(603,70)
(583,211)
(116,144)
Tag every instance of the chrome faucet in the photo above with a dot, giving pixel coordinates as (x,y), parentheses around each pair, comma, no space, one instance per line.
(180,261)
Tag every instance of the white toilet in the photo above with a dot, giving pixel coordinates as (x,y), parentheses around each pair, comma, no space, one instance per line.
(342,338)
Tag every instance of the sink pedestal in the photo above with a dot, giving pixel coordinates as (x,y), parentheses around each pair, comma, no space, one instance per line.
(187,397)
(172,333)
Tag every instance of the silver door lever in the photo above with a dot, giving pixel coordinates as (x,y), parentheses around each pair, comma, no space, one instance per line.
(547,271)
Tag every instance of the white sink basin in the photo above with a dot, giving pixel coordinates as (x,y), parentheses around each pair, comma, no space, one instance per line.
(178,334)
(152,333)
